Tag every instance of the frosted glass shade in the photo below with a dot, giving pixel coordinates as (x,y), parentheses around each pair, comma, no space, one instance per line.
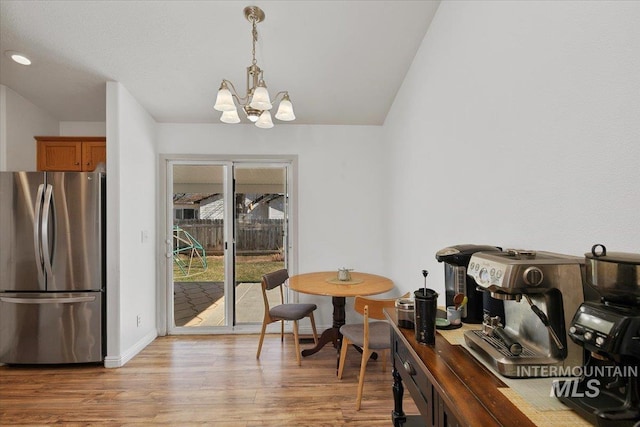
(230,117)
(260,99)
(265,121)
(285,111)
(224,100)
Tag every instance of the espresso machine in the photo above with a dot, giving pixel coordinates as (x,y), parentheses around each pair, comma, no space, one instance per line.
(456,281)
(541,292)
(606,394)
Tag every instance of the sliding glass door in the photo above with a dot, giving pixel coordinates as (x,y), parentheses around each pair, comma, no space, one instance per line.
(202,231)
(260,230)
(229,224)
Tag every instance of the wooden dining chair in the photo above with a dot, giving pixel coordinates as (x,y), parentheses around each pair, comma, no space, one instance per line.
(282,312)
(369,336)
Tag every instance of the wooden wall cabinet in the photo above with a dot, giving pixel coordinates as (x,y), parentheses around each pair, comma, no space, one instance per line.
(70,153)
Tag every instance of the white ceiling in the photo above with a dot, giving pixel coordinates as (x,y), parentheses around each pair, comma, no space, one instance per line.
(341,61)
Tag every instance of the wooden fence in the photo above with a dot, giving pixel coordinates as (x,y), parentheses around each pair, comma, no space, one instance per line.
(253,236)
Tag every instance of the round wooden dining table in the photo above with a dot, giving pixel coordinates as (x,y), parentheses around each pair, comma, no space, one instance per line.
(327,283)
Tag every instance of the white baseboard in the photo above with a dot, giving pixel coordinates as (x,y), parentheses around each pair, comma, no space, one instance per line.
(306,329)
(119,361)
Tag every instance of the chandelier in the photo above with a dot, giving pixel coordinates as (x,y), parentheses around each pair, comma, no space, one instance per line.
(256,103)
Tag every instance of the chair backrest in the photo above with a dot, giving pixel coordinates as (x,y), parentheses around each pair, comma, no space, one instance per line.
(375,305)
(271,281)
(275,279)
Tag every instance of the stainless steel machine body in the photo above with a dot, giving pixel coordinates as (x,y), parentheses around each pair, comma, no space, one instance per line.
(541,293)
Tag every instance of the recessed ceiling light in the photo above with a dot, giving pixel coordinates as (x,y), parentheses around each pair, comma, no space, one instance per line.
(18,57)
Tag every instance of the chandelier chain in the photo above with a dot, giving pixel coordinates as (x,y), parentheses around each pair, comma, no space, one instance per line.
(254,33)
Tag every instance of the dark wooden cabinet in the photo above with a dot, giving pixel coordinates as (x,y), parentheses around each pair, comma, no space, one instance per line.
(70,153)
(434,411)
(450,388)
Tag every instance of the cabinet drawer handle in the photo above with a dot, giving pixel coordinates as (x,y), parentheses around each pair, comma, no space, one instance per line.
(409,368)
(76,163)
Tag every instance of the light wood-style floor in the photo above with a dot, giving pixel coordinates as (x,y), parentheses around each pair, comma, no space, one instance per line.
(202,380)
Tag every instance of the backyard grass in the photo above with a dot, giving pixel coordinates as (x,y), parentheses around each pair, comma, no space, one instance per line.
(249,269)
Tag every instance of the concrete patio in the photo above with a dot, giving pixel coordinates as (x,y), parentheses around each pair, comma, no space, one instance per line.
(202,303)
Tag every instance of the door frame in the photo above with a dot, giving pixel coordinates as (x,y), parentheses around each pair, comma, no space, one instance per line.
(164,318)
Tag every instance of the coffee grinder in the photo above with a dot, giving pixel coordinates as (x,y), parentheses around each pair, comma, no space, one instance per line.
(456,260)
(606,394)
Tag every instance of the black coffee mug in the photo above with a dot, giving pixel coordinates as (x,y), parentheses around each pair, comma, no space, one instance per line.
(426,307)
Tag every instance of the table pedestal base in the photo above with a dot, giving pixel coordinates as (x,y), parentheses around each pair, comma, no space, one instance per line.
(330,335)
(333,333)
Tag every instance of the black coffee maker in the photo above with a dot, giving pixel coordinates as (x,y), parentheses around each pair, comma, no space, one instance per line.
(456,281)
(607,392)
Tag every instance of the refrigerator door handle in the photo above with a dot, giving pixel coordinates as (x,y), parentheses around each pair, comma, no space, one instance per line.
(46,216)
(37,229)
(47,300)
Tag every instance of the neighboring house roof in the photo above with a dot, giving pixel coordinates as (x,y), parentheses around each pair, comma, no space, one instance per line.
(189,198)
(215,209)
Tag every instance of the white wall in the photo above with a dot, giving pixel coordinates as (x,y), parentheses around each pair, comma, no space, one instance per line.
(517,125)
(20,121)
(131,211)
(83,128)
(341,177)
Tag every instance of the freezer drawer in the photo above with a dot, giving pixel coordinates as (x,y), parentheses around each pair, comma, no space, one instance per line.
(51,328)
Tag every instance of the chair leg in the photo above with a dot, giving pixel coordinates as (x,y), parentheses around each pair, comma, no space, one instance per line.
(363,367)
(313,326)
(264,328)
(343,355)
(282,331)
(297,341)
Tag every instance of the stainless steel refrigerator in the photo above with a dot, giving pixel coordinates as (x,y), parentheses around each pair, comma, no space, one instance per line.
(52,275)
